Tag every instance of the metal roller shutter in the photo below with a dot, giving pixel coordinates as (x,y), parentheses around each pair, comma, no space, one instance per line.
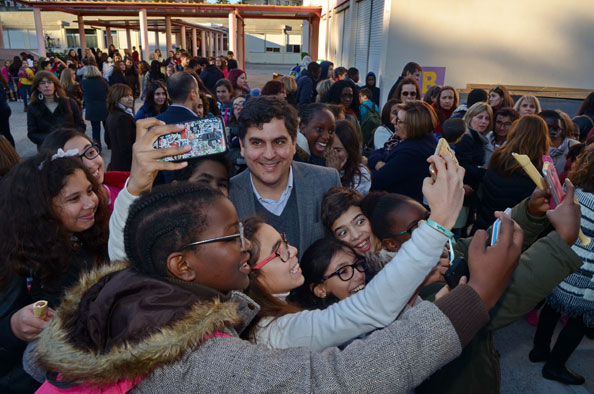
(346,31)
(338,38)
(362,41)
(375,36)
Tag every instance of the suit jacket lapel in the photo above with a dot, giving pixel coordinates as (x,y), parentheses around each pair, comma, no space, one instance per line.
(304,203)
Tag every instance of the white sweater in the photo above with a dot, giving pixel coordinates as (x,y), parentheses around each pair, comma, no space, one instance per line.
(115,245)
(376,306)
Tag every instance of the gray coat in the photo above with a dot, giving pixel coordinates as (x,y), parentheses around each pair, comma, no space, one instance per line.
(188,356)
(311,183)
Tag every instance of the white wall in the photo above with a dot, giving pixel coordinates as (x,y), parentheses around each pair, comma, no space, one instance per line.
(513,42)
(526,42)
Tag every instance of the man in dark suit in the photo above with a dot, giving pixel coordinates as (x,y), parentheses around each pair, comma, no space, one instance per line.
(185,96)
(286,194)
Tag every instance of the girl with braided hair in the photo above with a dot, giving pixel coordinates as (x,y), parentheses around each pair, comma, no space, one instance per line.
(54,227)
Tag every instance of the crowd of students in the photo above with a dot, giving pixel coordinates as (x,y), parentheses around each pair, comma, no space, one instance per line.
(308,257)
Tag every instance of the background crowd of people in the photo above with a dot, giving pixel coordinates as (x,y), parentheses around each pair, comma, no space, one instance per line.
(317,243)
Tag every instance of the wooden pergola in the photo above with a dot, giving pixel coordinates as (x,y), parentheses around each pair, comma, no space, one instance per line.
(163,13)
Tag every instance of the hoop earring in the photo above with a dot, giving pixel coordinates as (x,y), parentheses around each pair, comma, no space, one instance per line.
(56,95)
(40,97)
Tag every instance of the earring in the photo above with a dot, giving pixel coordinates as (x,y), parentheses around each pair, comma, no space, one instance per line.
(56,95)
(40,97)
(324,295)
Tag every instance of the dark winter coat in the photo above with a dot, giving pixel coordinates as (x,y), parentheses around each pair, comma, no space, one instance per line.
(210,76)
(95,99)
(470,152)
(41,121)
(498,192)
(406,167)
(122,133)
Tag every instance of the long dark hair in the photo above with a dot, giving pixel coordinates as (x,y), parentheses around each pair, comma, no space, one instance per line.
(33,237)
(270,306)
(348,136)
(587,106)
(335,91)
(150,97)
(314,263)
(156,74)
(15,66)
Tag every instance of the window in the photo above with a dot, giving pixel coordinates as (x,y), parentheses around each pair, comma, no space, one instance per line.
(268,49)
(293,48)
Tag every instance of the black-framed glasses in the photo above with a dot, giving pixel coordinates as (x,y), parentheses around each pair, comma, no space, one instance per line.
(503,124)
(281,251)
(413,226)
(223,238)
(90,152)
(412,94)
(346,273)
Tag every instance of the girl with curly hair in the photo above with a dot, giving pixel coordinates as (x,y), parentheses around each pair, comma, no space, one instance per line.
(55,227)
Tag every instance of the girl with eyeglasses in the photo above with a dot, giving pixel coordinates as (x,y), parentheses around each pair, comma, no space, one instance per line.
(89,152)
(56,226)
(332,272)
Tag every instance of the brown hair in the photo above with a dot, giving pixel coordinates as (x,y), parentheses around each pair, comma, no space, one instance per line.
(272,88)
(270,306)
(502,91)
(59,91)
(66,78)
(440,114)
(582,170)
(420,120)
(8,156)
(406,81)
(528,136)
(115,93)
(568,128)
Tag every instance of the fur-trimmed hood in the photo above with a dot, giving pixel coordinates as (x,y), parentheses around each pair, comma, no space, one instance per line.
(117,324)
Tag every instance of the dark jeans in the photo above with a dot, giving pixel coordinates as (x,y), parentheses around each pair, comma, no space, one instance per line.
(96,130)
(5,126)
(569,338)
(25,91)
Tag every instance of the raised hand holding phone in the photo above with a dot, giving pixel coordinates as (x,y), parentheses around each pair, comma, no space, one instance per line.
(145,159)
(445,194)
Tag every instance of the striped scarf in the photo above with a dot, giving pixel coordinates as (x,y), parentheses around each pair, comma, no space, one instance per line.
(574,296)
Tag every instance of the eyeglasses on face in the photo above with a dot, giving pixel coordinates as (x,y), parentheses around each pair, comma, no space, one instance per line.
(412,94)
(90,152)
(413,226)
(281,251)
(505,125)
(223,238)
(346,272)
